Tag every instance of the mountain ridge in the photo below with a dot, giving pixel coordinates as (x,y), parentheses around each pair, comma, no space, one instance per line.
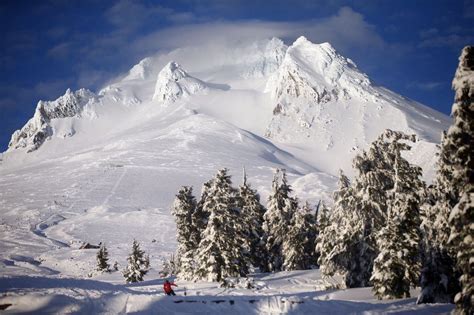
(304,95)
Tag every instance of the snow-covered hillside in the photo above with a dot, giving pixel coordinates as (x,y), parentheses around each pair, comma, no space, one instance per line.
(105,166)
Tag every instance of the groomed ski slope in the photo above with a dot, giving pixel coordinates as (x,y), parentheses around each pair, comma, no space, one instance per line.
(296,292)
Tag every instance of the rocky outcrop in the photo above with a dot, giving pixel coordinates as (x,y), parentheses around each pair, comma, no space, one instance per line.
(174,83)
(38,129)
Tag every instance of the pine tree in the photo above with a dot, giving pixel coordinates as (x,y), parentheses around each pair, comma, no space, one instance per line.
(337,237)
(138,264)
(222,252)
(253,212)
(277,219)
(452,189)
(397,265)
(183,209)
(376,178)
(461,239)
(102,259)
(311,229)
(299,243)
(460,143)
(439,280)
(200,217)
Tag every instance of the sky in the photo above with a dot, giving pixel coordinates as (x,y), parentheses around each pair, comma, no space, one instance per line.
(409,46)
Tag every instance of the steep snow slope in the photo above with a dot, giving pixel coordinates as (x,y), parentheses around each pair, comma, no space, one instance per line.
(323,103)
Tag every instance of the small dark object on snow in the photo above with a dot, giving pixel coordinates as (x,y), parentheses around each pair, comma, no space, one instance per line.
(5,306)
(89,246)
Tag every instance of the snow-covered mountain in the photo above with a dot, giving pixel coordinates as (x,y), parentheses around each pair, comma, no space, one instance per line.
(39,128)
(306,98)
(105,166)
(174,83)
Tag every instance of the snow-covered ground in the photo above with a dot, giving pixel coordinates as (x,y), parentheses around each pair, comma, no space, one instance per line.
(112,162)
(296,292)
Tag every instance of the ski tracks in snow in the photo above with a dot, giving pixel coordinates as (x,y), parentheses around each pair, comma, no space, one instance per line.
(114,188)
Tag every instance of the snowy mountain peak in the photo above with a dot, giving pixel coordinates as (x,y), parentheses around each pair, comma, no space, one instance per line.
(39,128)
(174,82)
(140,71)
(315,72)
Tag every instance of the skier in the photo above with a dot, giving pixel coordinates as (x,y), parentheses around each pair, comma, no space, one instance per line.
(167,287)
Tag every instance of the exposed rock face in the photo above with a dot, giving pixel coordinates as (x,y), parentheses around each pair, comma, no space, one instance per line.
(174,83)
(309,77)
(38,128)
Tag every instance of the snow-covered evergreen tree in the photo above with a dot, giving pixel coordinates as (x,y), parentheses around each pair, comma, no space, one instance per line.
(103,259)
(439,279)
(277,219)
(200,216)
(460,141)
(222,252)
(372,186)
(299,243)
(336,239)
(253,211)
(461,239)
(183,208)
(311,229)
(138,264)
(397,265)
(455,177)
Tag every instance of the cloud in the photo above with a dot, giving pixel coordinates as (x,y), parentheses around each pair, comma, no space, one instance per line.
(429,32)
(426,86)
(346,29)
(61,50)
(130,15)
(468,9)
(450,40)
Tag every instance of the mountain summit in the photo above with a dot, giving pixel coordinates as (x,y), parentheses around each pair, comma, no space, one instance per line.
(174,82)
(305,97)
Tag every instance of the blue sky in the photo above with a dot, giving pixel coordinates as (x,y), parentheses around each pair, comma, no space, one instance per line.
(408,46)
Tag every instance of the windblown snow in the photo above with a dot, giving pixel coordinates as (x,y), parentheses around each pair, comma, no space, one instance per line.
(104,167)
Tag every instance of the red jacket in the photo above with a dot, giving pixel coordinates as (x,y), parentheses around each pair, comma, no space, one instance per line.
(167,286)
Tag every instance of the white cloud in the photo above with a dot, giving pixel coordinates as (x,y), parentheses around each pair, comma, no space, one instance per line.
(345,30)
(118,51)
(426,86)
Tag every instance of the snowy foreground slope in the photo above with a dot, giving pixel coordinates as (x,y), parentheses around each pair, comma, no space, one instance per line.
(104,167)
(295,292)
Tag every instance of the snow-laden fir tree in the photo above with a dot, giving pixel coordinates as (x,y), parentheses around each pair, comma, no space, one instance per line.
(183,208)
(222,252)
(461,239)
(460,142)
(331,243)
(299,239)
(336,240)
(103,259)
(372,186)
(277,219)
(138,264)
(252,212)
(439,280)
(322,216)
(454,177)
(397,265)
(200,216)
(311,230)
